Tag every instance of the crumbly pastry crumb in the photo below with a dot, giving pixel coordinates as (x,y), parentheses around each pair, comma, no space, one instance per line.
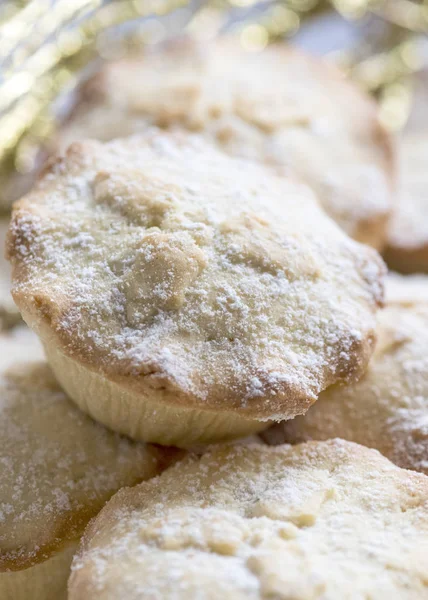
(320,520)
(388,408)
(199,279)
(280,106)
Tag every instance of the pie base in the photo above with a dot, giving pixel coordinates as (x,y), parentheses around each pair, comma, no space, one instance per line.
(141,417)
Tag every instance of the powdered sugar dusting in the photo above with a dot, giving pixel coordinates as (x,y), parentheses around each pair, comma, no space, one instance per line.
(329,519)
(388,408)
(277,106)
(160,259)
(57,467)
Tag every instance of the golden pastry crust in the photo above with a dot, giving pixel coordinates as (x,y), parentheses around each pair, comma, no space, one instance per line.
(192,279)
(388,408)
(320,520)
(9,313)
(279,106)
(407,247)
(57,466)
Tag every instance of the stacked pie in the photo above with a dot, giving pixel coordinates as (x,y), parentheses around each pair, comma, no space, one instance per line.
(199,264)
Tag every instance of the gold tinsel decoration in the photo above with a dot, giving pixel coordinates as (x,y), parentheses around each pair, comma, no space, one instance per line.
(45,45)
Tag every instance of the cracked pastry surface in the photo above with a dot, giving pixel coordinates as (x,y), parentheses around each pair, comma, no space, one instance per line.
(57,466)
(280,106)
(407,244)
(320,520)
(197,279)
(387,408)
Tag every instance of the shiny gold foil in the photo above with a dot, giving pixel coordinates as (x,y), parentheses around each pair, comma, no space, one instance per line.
(45,46)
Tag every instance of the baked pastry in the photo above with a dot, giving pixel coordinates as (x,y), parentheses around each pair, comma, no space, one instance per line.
(320,520)
(280,106)
(196,296)
(388,408)
(57,470)
(407,248)
(9,313)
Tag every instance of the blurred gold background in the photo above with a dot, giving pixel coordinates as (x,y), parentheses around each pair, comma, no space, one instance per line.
(47,46)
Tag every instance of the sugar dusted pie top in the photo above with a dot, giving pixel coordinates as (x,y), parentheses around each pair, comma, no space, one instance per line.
(170,267)
(57,466)
(388,408)
(279,106)
(321,520)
